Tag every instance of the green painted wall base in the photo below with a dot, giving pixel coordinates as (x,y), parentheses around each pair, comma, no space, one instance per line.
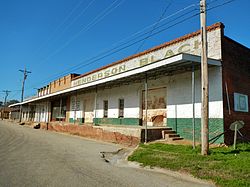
(184,127)
(78,120)
(117,121)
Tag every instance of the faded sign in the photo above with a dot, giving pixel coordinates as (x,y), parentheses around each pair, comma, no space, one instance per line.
(191,46)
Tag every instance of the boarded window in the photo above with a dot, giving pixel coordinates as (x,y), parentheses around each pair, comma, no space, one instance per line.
(121,108)
(156,106)
(105,108)
(156,98)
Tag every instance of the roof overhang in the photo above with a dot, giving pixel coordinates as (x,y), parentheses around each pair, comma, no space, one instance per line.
(171,63)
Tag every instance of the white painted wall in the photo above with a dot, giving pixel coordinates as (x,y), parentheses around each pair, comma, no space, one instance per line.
(42,112)
(131,95)
(179,95)
(85,109)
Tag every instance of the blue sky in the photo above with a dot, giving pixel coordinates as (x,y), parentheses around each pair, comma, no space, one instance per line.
(49,37)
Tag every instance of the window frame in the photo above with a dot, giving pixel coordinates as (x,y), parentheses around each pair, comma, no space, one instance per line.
(121,107)
(105,108)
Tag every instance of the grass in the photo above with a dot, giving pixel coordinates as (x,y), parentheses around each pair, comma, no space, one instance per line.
(224,166)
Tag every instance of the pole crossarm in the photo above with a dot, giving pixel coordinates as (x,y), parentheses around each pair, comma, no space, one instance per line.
(25,74)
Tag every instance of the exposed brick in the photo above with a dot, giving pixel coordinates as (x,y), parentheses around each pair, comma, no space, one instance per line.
(236,73)
(94,133)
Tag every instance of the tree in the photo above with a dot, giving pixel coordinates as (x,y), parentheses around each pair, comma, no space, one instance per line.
(10,102)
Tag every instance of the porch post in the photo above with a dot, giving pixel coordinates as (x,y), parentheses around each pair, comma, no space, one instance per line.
(146,109)
(28,112)
(193,104)
(60,109)
(75,108)
(39,112)
(94,120)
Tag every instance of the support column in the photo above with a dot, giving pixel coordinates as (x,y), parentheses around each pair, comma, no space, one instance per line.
(75,108)
(146,108)
(28,112)
(193,103)
(60,108)
(39,113)
(95,107)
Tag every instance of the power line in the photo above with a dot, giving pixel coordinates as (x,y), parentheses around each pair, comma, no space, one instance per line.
(158,31)
(75,18)
(25,74)
(7,92)
(222,4)
(157,22)
(14,95)
(94,60)
(98,18)
(129,45)
(120,43)
(59,26)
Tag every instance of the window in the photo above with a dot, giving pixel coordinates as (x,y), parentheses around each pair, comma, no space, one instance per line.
(121,108)
(105,108)
(240,102)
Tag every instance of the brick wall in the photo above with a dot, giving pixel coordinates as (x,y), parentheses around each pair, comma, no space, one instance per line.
(236,74)
(93,133)
(61,83)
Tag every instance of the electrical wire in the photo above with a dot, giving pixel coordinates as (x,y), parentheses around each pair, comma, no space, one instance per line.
(222,4)
(75,19)
(121,42)
(58,27)
(98,18)
(115,50)
(157,22)
(156,33)
(80,65)
(162,30)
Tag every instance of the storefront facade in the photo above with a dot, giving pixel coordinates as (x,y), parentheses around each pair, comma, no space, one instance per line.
(160,87)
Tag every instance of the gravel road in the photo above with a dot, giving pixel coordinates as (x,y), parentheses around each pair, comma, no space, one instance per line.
(30,157)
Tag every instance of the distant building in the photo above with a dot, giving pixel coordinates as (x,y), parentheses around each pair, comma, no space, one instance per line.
(9,113)
(154,87)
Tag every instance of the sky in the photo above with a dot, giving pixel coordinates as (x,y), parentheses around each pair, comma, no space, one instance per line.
(52,38)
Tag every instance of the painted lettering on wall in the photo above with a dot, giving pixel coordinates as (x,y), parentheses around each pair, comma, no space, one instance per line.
(191,46)
(100,75)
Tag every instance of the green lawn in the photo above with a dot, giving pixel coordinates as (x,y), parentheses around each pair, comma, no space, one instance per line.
(224,166)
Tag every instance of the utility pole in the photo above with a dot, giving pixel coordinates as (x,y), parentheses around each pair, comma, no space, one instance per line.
(204,81)
(6,95)
(5,101)
(25,74)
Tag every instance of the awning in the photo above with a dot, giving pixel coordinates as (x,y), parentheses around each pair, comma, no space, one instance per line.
(181,62)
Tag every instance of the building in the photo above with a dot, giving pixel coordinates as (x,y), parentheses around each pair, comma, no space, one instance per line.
(4,112)
(160,87)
